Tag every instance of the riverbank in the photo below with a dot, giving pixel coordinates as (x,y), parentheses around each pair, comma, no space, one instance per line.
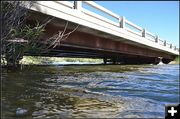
(56,60)
(176,61)
(38,60)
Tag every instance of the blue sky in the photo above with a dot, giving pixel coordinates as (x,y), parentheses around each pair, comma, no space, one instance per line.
(158,17)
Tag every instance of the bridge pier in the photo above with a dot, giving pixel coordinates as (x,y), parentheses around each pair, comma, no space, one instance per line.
(105,60)
(111,60)
(166,61)
(156,60)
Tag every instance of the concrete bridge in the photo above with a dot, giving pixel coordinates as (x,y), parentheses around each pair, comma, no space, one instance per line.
(112,38)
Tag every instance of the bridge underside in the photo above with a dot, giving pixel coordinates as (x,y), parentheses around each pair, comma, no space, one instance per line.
(73,51)
(90,43)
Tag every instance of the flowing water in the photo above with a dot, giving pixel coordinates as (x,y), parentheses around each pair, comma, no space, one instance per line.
(123,91)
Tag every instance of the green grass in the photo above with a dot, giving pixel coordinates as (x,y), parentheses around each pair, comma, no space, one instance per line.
(177,59)
(49,60)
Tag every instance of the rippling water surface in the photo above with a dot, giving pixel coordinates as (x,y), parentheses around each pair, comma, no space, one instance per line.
(130,91)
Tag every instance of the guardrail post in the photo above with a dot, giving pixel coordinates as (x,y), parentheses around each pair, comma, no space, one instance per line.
(122,22)
(165,43)
(156,39)
(170,45)
(78,5)
(144,33)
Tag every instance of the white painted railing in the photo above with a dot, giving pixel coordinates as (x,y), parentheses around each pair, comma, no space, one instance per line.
(66,3)
(150,36)
(93,4)
(137,30)
(122,22)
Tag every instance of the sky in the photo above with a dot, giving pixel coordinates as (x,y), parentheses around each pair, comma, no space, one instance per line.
(158,17)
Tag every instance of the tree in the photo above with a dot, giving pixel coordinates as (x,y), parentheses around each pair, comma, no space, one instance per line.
(18,37)
(13,14)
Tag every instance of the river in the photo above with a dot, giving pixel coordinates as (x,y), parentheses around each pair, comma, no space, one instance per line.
(115,91)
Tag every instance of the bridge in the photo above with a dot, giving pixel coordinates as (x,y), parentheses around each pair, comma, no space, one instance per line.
(112,38)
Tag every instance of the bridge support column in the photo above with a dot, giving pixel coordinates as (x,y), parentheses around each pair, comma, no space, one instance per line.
(166,61)
(105,60)
(156,60)
(114,61)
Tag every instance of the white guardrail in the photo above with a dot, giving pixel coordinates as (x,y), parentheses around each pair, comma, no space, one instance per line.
(122,22)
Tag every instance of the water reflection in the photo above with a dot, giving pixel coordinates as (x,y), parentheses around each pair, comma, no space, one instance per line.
(125,91)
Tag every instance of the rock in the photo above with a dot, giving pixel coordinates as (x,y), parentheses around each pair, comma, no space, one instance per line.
(21,112)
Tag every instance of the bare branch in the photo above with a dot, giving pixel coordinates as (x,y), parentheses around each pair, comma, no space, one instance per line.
(57,38)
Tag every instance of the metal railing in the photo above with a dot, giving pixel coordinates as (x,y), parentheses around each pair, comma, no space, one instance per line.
(122,21)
